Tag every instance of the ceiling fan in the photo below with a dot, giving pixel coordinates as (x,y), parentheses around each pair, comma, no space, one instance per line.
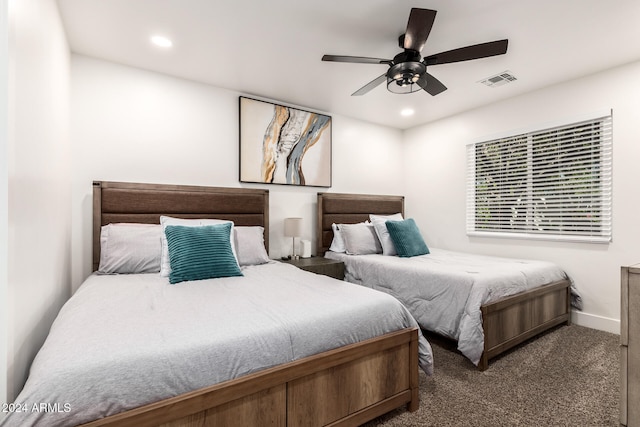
(408,70)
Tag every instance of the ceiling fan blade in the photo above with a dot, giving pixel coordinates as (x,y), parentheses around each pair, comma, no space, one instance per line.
(482,50)
(356,59)
(372,84)
(430,84)
(418,28)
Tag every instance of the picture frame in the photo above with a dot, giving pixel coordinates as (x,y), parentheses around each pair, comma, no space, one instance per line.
(284,145)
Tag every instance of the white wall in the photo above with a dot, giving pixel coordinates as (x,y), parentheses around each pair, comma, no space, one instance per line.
(436,170)
(4,195)
(133,125)
(39,193)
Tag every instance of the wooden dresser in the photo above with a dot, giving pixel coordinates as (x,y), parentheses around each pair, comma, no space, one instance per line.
(630,346)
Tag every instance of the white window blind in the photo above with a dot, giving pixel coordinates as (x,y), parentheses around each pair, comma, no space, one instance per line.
(549,184)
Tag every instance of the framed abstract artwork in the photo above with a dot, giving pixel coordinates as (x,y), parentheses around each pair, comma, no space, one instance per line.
(284,145)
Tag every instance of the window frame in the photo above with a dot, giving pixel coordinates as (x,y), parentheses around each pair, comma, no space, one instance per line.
(571,223)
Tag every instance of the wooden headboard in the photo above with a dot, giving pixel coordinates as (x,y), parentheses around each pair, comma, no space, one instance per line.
(115,202)
(341,208)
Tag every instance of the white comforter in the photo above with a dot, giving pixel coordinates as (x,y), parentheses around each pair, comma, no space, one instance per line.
(444,290)
(125,341)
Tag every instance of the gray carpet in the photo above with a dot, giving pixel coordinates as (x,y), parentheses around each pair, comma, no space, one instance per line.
(569,376)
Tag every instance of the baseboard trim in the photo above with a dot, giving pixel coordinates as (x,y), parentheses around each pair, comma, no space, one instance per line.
(596,322)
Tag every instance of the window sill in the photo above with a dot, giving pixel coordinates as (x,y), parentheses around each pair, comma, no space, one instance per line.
(548,237)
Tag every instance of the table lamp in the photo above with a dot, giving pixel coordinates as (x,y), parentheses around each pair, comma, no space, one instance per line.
(293,229)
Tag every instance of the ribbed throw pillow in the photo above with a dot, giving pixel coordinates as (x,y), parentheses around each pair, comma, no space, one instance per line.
(407,238)
(197,253)
(165,267)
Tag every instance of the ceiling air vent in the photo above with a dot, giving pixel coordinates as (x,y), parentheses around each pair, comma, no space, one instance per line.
(499,79)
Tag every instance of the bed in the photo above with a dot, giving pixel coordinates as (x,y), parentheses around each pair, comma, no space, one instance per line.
(283,367)
(503,321)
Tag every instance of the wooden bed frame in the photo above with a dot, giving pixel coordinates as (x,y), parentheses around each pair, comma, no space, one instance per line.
(506,322)
(345,386)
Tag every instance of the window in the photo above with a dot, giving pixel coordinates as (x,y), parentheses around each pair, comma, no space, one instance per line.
(549,184)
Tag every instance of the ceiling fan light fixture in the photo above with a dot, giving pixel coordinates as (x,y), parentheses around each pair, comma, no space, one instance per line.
(402,77)
(402,86)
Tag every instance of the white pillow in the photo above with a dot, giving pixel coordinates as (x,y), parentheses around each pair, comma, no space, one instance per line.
(379,223)
(360,239)
(337,244)
(130,248)
(165,266)
(250,245)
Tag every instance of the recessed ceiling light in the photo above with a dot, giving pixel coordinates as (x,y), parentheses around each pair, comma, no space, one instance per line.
(407,112)
(161,41)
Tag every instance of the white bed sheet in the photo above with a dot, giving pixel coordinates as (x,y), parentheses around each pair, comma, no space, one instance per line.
(128,340)
(444,290)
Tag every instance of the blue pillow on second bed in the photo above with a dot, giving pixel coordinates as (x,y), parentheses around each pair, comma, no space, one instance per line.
(406,238)
(197,253)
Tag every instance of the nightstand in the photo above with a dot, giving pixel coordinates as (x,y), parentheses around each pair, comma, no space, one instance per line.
(319,265)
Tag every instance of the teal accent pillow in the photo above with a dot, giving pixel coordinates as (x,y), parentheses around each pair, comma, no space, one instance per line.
(406,238)
(197,253)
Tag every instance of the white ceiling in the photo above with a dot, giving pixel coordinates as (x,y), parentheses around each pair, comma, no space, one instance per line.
(272,49)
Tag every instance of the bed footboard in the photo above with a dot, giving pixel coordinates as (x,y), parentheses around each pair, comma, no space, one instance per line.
(347,386)
(512,320)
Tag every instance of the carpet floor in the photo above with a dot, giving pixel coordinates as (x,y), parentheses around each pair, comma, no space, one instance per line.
(570,376)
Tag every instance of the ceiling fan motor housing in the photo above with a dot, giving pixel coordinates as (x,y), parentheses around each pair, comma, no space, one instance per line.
(406,70)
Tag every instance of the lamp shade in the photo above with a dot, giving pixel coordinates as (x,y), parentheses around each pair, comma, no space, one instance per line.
(293,227)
